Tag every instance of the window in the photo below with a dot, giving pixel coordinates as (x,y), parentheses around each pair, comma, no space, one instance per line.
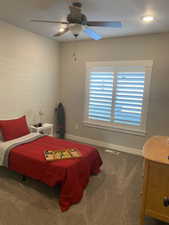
(117,95)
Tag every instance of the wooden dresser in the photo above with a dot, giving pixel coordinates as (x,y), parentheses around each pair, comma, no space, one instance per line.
(155,201)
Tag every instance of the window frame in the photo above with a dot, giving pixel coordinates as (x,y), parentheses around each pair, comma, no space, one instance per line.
(141,130)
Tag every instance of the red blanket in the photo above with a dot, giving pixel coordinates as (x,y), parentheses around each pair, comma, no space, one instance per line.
(73,174)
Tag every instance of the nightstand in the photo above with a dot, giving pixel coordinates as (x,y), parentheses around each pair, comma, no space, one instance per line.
(156,179)
(46,128)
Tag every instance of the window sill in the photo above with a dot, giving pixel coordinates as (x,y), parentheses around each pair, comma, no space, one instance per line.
(115,128)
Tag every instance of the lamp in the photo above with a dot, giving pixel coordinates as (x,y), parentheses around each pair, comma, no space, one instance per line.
(75,29)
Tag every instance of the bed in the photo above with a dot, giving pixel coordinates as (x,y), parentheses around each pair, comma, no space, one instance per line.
(25,155)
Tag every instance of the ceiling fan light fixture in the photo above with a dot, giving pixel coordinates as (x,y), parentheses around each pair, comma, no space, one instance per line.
(61,29)
(75,29)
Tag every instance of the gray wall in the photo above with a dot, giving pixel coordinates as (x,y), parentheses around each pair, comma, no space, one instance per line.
(29,71)
(148,47)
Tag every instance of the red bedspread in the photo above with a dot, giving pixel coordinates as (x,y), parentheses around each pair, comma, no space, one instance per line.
(73,174)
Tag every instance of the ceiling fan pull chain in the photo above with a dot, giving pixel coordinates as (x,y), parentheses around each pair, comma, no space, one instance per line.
(74,55)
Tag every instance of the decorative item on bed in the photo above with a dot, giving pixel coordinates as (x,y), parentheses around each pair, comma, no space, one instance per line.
(68,153)
(23,152)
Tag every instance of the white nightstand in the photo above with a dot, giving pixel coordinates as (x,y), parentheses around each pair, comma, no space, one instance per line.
(46,128)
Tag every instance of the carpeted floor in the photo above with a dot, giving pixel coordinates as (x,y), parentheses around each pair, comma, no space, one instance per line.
(111,198)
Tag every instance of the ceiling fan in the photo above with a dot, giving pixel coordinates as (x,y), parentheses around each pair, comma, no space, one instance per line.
(77,21)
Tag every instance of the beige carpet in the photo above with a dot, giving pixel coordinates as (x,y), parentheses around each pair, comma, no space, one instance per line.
(111,198)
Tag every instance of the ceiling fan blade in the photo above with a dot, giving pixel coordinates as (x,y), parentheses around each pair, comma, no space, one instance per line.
(49,21)
(91,33)
(113,24)
(61,33)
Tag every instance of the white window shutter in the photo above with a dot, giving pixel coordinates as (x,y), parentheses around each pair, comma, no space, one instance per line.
(100,96)
(117,95)
(129,96)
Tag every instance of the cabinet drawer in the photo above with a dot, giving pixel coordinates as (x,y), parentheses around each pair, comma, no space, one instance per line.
(157,190)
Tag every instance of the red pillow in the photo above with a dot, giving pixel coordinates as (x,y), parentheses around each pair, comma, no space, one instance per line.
(15,128)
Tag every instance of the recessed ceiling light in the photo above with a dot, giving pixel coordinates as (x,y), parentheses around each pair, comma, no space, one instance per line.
(61,29)
(147,19)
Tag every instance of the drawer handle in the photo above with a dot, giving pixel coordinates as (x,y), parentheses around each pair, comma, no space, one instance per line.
(166,201)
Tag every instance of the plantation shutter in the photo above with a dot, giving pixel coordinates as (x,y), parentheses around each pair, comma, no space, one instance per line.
(129,96)
(118,95)
(100,96)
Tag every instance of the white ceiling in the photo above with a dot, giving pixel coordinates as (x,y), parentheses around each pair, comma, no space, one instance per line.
(19,13)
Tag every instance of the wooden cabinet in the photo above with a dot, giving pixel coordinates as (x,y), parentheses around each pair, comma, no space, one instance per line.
(156,179)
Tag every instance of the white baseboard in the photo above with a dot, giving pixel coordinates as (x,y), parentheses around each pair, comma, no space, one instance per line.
(103,144)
